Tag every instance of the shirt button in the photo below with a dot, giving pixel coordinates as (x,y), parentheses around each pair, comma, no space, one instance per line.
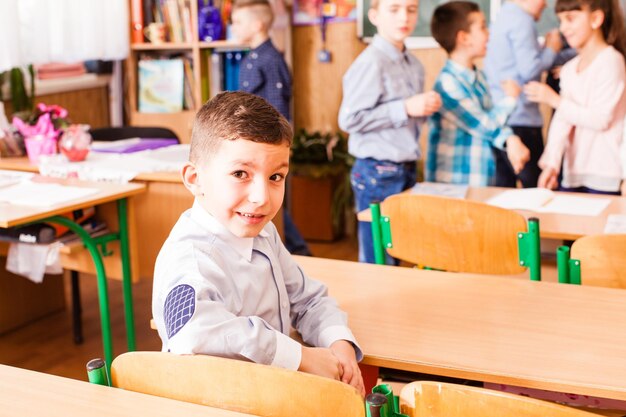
(279,85)
(249,66)
(245,83)
(254,55)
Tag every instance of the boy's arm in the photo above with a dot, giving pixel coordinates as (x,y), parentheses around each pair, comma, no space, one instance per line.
(530,58)
(192,318)
(361,110)
(466,112)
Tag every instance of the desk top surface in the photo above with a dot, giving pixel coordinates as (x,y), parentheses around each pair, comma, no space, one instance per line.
(490,328)
(14,215)
(552,225)
(29,393)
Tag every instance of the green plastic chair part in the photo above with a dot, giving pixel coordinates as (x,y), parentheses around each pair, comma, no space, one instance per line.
(530,250)
(568,269)
(97,372)
(379,250)
(375,405)
(390,407)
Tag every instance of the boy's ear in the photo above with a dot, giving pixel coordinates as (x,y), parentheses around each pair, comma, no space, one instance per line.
(461,38)
(191,179)
(372,15)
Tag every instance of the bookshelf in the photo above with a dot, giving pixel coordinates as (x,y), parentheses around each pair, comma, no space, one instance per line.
(197,52)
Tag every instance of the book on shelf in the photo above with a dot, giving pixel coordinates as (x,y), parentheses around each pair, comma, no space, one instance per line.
(190,102)
(232,64)
(136,21)
(161,85)
(547,201)
(216,81)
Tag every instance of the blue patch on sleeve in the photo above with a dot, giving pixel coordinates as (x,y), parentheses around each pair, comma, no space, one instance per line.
(179,307)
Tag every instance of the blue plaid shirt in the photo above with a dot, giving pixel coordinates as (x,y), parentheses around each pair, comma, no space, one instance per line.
(466,128)
(264,73)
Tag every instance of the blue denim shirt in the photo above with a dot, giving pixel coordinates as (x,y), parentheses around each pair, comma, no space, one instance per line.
(264,73)
(513,52)
(372,111)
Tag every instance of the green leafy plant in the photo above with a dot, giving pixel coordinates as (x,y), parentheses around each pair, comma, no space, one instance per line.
(21,101)
(322,155)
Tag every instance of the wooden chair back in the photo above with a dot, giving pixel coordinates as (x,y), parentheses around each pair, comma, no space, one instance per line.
(436,399)
(454,235)
(602,260)
(235,385)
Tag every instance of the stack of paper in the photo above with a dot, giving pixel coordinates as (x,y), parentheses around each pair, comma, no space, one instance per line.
(42,194)
(440,189)
(546,201)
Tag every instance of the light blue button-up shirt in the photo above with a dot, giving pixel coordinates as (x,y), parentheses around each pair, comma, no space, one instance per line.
(218,294)
(372,111)
(513,52)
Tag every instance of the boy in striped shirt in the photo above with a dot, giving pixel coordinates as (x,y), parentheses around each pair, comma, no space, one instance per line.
(468,126)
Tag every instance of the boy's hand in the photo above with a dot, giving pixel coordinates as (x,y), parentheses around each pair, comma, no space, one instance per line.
(517,153)
(548,179)
(344,351)
(541,93)
(422,104)
(511,88)
(320,361)
(554,41)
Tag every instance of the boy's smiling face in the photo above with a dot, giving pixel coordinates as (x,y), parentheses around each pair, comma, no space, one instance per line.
(394,20)
(242,184)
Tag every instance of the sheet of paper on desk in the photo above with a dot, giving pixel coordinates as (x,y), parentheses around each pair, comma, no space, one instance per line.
(8,177)
(615,224)
(574,205)
(440,189)
(522,199)
(42,194)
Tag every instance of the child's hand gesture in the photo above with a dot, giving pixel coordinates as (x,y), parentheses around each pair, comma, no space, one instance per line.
(511,88)
(541,93)
(320,361)
(422,104)
(554,41)
(344,351)
(548,178)
(517,153)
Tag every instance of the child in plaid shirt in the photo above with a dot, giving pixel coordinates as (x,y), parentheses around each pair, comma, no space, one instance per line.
(468,125)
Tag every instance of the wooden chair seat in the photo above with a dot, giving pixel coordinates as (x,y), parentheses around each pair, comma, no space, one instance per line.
(235,385)
(454,235)
(436,399)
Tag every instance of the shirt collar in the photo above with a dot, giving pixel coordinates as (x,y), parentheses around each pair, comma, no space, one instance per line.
(388,49)
(242,245)
(467,74)
(265,45)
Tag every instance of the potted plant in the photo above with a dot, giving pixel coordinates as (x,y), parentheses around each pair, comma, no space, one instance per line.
(320,184)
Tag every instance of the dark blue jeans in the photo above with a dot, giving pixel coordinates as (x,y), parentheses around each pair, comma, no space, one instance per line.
(373,181)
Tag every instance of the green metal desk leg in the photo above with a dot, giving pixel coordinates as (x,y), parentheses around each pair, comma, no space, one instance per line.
(103,294)
(377,238)
(122,214)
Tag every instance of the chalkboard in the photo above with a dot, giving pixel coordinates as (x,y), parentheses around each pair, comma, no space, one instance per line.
(366,30)
(549,20)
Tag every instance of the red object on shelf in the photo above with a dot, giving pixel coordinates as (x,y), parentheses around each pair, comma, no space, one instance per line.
(136,21)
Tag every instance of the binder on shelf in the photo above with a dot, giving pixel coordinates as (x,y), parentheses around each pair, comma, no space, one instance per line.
(232,64)
(136,21)
(216,81)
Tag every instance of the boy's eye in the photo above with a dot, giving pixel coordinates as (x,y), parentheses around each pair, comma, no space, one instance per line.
(240,174)
(277,177)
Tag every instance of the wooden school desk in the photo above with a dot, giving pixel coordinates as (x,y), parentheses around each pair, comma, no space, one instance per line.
(551,225)
(29,393)
(557,337)
(15,215)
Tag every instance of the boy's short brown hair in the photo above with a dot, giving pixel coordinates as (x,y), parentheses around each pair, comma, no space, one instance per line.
(449,19)
(234,115)
(260,9)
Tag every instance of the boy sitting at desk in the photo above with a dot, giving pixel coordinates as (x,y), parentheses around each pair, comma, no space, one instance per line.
(224,284)
(467,128)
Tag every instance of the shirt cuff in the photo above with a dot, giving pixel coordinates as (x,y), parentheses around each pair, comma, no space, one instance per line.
(288,352)
(397,113)
(500,141)
(508,103)
(333,333)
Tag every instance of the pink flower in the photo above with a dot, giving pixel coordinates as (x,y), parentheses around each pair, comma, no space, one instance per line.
(55,110)
(43,127)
